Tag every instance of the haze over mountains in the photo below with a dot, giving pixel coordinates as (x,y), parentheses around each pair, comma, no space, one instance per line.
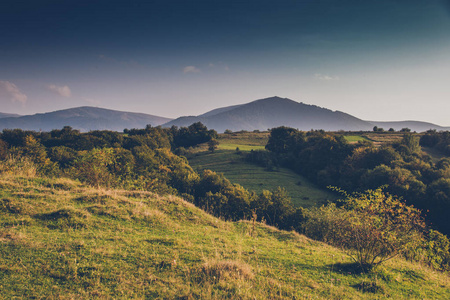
(261,115)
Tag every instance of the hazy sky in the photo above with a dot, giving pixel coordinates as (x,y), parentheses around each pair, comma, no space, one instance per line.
(375,59)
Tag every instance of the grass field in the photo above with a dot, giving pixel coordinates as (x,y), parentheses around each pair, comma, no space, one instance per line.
(63,240)
(355,138)
(253,177)
(245,141)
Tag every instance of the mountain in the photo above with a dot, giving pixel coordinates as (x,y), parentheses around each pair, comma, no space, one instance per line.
(273,112)
(83,118)
(261,115)
(413,125)
(5,115)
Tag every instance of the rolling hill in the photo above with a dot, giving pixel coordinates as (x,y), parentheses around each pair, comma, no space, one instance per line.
(83,118)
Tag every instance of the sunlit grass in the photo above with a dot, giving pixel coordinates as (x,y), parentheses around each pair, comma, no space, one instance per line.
(355,138)
(131,244)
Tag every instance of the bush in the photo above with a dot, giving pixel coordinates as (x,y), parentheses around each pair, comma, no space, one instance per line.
(371,227)
(437,248)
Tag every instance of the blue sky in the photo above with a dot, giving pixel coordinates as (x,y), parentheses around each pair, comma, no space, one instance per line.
(377,60)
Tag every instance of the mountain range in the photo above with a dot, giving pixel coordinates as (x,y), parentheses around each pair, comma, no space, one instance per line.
(84,118)
(275,111)
(261,115)
(4,115)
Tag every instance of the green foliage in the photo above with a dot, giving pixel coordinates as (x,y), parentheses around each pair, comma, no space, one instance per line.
(410,143)
(275,208)
(212,145)
(437,250)
(3,150)
(378,129)
(327,159)
(437,140)
(195,134)
(93,167)
(284,139)
(371,227)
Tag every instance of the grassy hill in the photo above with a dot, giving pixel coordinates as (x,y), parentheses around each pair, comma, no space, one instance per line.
(60,239)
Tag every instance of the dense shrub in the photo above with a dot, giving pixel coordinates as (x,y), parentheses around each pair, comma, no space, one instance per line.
(371,227)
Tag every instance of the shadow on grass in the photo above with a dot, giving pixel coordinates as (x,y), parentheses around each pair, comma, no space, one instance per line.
(369,287)
(347,268)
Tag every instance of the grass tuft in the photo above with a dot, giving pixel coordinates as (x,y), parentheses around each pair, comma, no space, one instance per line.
(213,271)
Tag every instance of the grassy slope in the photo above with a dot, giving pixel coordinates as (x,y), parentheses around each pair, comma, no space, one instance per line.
(257,178)
(253,177)
(60,239)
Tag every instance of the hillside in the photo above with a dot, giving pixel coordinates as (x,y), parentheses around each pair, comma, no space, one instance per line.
(63,240)
(273,112)
(83,118)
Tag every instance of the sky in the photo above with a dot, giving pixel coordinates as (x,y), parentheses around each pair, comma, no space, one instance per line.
(378,60)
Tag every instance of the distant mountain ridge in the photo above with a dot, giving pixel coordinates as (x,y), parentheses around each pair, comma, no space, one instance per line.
(260,115)
(273,112)
(5,115)
(83,118)
(413,125)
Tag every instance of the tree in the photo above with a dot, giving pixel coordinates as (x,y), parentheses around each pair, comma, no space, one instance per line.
(3,149)
(411,142)
(212,145)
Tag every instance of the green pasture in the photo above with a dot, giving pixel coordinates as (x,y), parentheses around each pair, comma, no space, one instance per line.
(355,138)
(253,177)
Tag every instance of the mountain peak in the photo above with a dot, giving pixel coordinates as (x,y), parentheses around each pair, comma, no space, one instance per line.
(275,111)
